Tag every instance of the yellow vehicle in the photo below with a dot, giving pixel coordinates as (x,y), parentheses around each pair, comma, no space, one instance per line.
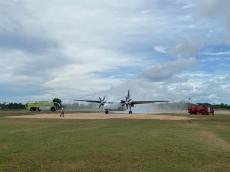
(42,106)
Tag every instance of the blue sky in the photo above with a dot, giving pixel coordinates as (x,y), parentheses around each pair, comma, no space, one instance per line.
(160,49)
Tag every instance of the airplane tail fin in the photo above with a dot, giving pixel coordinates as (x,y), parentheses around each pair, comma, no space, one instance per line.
(128,96)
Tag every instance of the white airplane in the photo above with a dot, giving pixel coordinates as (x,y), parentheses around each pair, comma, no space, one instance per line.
(122,105)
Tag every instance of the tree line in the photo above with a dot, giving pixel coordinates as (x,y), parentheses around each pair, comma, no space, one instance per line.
(12,106)
(221,106)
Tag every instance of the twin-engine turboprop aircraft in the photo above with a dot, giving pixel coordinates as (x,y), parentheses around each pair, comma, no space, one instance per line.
(122,105)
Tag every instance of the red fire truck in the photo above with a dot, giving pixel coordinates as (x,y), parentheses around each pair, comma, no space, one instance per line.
(196,109)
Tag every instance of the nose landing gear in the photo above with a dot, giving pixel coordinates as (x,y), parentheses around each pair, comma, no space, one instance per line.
(130,112)
(106,111)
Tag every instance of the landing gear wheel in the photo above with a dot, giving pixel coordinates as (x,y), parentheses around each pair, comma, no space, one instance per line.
(130,112)
(106,111)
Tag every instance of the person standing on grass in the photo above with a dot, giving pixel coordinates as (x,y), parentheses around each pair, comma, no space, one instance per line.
(62,114)
(212,111)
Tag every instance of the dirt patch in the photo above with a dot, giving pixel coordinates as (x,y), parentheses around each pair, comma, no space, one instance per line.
(93,116)
(214,140)
(4,146)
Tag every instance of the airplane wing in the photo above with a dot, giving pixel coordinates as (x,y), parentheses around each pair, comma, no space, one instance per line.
(100,101)
(89,101)
(147,102)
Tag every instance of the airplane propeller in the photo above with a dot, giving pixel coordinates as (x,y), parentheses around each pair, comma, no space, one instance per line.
(126,102)
(102,102)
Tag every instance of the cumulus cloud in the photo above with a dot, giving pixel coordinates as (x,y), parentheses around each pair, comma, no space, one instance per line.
(68,49)
(187,47)
(166,71)
(25,42)
(215,9)
(20,29)
(217,14)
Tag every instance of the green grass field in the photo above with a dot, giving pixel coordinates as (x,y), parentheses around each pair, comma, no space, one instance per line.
(115,145)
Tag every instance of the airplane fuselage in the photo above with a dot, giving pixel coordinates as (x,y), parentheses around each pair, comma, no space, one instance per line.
(115,106)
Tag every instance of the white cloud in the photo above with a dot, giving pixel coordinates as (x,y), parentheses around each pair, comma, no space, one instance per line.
(160,49)
(57,48)
(167,70)
(216,53)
